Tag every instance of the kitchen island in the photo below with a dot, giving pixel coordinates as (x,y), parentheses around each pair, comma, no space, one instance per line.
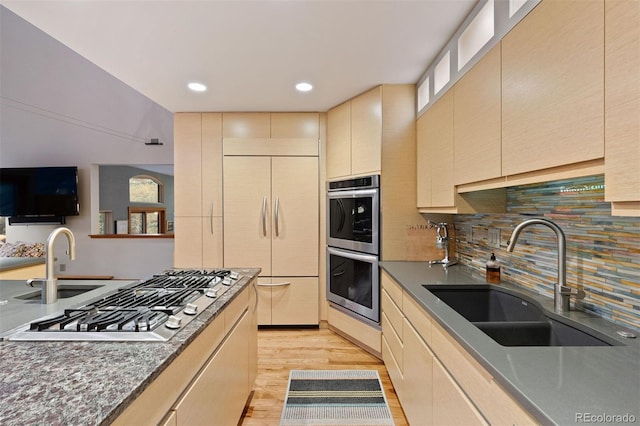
(543,384)
(102,382)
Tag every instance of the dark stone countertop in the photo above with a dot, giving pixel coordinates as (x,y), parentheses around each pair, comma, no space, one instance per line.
(556,384)
(89,383)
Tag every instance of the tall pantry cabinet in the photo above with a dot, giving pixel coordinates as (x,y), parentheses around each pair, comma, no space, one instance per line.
(271,210)
(198,190)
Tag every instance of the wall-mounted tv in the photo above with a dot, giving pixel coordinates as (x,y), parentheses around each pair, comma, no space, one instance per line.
(37,193)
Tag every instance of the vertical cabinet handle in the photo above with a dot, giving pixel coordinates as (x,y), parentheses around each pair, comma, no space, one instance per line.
(277,209)
(264,216)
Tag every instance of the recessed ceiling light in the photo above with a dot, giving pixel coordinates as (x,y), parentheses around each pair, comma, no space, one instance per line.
(197,87)
(304,87)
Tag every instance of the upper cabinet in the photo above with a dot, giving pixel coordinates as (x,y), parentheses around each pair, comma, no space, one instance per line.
(198,189)
(354,136)
(622,106)
(435,155)
(476,118)
(553,87)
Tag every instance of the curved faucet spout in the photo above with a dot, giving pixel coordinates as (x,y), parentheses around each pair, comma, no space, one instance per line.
(50,288)
(562,291)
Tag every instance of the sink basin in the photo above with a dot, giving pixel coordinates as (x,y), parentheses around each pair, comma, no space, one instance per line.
(512,320)
(64,291)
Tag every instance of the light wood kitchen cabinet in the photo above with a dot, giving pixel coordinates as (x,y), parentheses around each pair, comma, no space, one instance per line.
(198,190)
(622,106)
(438,382)
(246,125)
(419,389)
(553,87)
(226,377)
(477,121)
(435,155)
(210,380)
(339,141)
(366,132)
(271,214)
(288,301)
(354,136)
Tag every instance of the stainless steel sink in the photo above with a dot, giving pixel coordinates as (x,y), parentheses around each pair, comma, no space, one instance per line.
(64,291)
(513,320)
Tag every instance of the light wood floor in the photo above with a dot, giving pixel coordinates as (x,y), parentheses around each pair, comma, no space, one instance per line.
(282,350)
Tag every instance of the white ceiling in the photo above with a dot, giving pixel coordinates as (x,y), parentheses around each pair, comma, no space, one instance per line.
(251,53)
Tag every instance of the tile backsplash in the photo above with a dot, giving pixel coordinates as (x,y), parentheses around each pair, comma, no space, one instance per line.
(603,251)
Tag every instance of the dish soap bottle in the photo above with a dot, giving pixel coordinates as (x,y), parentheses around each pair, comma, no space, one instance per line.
(493,270)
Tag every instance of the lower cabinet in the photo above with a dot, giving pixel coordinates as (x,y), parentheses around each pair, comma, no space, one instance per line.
(217,396)
(436,380)
(288,301)
(211,380)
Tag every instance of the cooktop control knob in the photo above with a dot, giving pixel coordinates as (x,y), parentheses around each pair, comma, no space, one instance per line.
(173,322)
(212,293)
(227,281)
(234,275)
(190,309)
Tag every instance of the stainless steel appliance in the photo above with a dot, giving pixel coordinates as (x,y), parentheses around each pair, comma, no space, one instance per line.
(354,282)
(153,309)
(353,232)
(353,212)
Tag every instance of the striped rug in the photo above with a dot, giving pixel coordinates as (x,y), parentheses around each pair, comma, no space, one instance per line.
(335,397)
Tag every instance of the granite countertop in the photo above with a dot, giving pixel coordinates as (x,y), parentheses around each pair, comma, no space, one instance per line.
(88,383)
(9,263)
(554,383)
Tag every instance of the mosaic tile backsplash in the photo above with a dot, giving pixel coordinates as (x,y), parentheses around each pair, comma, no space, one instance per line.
(603,251)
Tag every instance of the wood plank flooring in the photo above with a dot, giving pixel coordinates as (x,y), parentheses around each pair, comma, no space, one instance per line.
(282,350)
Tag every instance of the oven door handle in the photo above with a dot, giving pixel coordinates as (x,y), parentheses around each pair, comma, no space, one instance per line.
(338,273)
(342,215)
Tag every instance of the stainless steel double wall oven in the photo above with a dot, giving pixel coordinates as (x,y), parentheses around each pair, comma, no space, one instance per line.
(353,239)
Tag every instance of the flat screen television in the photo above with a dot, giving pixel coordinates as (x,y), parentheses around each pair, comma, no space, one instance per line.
(38,193)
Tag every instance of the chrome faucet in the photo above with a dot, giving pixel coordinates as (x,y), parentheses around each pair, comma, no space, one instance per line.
(562,292)
(442,241)
(50,283)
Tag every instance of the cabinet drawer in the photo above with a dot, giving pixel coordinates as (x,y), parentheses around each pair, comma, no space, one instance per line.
(450,404)
(393,340)
(295,303)
(394,315)
(235,309)
(497,406)
(394,290)
(417,317)
(394,370)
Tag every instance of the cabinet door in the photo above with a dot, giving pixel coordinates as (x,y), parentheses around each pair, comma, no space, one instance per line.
(418,390)
(187,139)
(622,100)
(245,125)
(287,125)
(295,303)
(187,249)
(294,202)
(450,405)
(212,247)
(211,164)
(477,125)
(423,172)
(366,132)
(339,141)
(439,145)
(264,301)
(247,212)
(553,87)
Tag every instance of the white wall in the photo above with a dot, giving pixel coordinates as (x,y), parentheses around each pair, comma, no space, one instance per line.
(58,109)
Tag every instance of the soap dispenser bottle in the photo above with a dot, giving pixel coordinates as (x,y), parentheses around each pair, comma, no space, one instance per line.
(493,270)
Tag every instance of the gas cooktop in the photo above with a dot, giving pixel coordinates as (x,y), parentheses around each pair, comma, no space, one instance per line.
(154,309)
